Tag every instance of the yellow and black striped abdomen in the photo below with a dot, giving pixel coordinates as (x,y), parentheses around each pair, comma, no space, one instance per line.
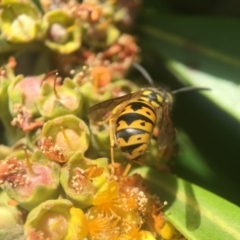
(134,128)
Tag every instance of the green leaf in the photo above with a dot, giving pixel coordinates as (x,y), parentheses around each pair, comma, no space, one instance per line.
(194,211)
(191,164)
(231,100)
(200,51)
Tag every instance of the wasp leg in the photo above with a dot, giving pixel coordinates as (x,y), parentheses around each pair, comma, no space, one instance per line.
(140,161)
(127,168)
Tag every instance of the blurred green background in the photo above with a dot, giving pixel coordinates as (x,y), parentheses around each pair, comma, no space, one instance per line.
(196,43)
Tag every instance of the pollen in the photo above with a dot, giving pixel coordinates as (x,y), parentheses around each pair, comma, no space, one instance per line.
(13,172)
(24,119)
(103,227)
(52,150)
(101,76)
(134,199)
(107,202)
(78,181)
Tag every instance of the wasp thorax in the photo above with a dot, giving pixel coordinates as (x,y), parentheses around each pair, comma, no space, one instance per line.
(156,97)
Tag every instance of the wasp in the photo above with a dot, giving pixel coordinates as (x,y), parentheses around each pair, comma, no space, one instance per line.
(133,117)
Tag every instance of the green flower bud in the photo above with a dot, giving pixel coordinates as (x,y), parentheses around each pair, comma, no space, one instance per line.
(19,154)
(63,31)
(55,101)
(24,91)
(69,133)
(10,214)
(56,220)
(101,36)
(100,141)
(26,180)
(19,20)
(6,77)
(81,178)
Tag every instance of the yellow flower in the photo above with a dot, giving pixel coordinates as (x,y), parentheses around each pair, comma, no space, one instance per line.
(102,227)
(133,233)
(167,231)
(77,225)
(107,200)
(145,235)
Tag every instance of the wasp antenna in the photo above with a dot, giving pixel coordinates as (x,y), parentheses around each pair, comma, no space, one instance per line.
(188,89)
(144,72)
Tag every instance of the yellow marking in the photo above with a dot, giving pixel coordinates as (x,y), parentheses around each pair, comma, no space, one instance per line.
(155,104)
(147,92)
(127,109)
(143,110)
(159,98)
(145,99)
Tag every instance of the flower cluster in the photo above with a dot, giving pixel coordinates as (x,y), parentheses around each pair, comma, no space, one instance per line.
(118,211)
(55,178)
(89,33)
(49,164)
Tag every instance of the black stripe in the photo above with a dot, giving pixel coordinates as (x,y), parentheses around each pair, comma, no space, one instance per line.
(139,105)
(129,132)
(129,118)
(131,148)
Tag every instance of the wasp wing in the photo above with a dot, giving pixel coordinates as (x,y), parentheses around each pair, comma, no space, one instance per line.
(99,110)
(167,131)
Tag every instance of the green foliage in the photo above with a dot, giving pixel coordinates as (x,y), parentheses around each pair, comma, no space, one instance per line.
(199,51)
(194,211)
